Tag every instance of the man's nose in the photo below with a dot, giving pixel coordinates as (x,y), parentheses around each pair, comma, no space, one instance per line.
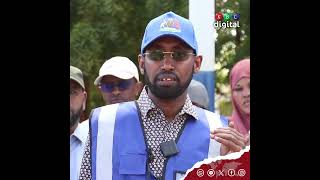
(168,62)
(116,91)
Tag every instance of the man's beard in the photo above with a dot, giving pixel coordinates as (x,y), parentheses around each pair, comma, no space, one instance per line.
(74,117)
(167,92)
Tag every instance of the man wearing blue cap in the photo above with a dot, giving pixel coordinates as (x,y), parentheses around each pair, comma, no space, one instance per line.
(161,135)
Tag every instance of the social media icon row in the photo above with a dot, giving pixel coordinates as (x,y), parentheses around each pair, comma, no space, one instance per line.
(229,172)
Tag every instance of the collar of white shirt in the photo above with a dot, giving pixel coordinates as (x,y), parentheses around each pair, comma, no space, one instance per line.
(81,132)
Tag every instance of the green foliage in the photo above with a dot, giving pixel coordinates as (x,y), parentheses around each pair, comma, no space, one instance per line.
(225,108)
(232,45)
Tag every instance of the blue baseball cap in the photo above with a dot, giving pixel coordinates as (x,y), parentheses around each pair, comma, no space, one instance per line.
(170,24)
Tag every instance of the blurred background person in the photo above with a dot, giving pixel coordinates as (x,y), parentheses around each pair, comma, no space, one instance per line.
(199,97)
(198,94)
(240,93)
(78,132)
(118,80)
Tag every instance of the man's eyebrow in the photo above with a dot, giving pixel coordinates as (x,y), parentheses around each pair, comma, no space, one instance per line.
(178,46)
(154,46)
(75,86)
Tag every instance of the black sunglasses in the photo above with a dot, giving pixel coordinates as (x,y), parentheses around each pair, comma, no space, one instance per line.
(158,55)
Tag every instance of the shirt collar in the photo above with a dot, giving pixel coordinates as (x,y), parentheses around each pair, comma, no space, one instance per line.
(189,108)
(81,132)
(146,104)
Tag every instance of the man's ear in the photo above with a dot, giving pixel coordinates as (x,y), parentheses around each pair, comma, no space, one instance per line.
(138,88)
(84,101)
(83,106)
(141,64)
(197,64)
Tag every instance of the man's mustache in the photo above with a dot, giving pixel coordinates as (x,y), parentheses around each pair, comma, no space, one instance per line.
(167,74)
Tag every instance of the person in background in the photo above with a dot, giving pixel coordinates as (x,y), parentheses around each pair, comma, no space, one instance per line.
(78,132)
(118,80)
(199,97)
(198,94)
(240,88)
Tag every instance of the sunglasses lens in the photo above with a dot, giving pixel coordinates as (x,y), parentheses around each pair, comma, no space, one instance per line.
(179,55)
(122,85)
(107,87)
(156,55)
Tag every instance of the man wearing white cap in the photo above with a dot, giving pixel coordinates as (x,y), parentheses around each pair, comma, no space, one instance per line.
(118,80)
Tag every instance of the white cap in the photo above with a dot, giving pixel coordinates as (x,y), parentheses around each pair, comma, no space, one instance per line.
(120,67)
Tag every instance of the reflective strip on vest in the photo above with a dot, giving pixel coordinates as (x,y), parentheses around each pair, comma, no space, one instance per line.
(104,146)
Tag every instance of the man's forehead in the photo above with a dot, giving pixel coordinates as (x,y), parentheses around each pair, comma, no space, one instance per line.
(176,42)
(74,84)
(111,78)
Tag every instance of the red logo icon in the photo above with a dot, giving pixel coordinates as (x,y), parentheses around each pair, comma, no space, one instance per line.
(219,16)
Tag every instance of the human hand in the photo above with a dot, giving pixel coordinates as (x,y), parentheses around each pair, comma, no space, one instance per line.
(231,140)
